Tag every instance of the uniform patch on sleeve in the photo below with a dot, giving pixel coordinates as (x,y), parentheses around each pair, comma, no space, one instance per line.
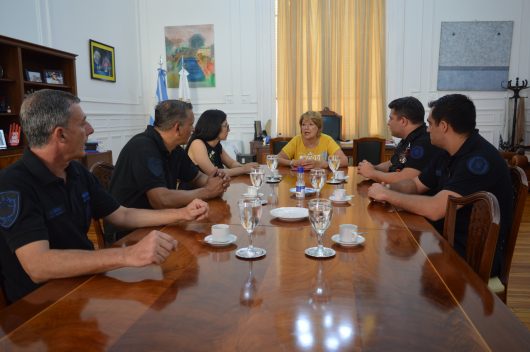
(417,152)
(478,165)
(155,166)
(9,208)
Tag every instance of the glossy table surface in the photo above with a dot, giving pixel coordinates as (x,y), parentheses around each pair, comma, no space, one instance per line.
(405,289)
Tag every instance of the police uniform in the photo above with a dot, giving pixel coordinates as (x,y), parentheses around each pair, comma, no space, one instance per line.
(414,151)
(476,166)
(36,205)
(145,163)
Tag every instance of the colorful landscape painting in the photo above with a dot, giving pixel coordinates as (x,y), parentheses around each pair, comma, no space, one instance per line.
(194,46)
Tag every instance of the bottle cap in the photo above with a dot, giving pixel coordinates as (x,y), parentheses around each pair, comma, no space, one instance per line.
(300,169)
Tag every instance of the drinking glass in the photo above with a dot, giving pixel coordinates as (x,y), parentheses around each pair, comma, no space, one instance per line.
(320,212)
(318,178)
(256,177)
(334,162)
(250,214)
(272,163)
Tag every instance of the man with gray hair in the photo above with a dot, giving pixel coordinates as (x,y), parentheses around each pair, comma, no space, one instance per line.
(47,201)
(152,164)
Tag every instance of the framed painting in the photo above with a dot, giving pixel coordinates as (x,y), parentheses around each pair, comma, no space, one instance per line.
(102,61)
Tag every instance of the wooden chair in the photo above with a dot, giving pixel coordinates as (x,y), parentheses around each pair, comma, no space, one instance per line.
(331,124)
(103,172)
(276,144)
(483,230)
(368,148)
(499,284)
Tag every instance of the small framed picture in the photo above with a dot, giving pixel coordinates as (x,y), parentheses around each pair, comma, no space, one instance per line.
(3,144)
(33,76)
(53,76)
(102,61)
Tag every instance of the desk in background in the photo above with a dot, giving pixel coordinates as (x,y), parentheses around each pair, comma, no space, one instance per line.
(406,289)
(91,158)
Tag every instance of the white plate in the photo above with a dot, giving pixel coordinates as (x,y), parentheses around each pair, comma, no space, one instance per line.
(290,213)
(358,241)
(308,190)
(231,239)
(333,182)
(346,199)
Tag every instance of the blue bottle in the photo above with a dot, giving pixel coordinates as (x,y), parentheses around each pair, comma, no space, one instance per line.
(300,183)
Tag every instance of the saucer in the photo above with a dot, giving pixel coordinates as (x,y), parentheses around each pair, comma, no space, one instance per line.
(359,240)
(248,195)
(308,190)
(332,181)
(346,199)
(273,179)
(231,239)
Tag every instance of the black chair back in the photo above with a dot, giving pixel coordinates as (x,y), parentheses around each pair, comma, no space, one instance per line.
(371,149)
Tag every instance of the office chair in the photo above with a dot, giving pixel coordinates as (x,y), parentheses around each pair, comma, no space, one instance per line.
(103,172)
(276,144)
(331,124)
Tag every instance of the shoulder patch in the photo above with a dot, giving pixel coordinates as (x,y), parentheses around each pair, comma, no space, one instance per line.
(417,152)
(155,166)
(478,165)
(9,208)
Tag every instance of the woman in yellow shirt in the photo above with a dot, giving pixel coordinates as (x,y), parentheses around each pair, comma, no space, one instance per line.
(311,140)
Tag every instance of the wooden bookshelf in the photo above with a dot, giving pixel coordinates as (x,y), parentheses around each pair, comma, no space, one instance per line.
(16,58)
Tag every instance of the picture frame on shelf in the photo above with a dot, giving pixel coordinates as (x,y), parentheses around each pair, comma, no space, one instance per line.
(33,76)
(3,144)
(53,76)
(102,61)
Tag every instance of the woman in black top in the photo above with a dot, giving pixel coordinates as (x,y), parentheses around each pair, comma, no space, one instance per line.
(204,147)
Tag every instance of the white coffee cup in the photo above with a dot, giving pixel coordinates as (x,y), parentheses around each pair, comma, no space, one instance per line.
(348,232)
(339,193)
(220,232)
(339,175)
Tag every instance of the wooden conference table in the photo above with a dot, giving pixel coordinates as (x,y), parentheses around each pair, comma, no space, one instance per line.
(405,289)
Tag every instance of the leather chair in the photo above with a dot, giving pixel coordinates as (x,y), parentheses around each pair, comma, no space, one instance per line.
(331,124)
(103,172)
(483,230)
(368,148)
(276,144)
(499,284)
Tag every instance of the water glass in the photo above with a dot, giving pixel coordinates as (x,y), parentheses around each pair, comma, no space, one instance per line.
(250,214)
(320,214)
(318,178)
(334,163)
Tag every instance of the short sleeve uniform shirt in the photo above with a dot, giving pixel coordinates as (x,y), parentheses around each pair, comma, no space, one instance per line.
(476,166)
(414,151)
(145,163)
(36,205)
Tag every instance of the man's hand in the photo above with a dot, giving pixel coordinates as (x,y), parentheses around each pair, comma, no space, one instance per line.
(152,249)
(366,169)
(226,179)
(215,186)
(196,210)
(378,192)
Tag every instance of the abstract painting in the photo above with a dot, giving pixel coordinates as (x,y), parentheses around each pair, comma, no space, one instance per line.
(193,47)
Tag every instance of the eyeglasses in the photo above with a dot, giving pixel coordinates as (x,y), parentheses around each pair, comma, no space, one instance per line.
(225,125)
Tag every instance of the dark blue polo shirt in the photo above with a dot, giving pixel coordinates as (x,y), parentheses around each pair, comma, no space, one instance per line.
(145,163)
(414,151)
(476,166)
(37,205)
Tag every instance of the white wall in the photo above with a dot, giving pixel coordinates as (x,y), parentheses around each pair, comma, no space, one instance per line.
(413,40)
(116,110)
(244,57)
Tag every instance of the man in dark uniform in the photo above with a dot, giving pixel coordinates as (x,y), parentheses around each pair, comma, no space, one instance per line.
(152,163)
(47,201)
(414,151)
(468,164)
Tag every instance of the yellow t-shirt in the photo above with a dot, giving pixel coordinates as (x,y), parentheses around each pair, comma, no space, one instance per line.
(326,147)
